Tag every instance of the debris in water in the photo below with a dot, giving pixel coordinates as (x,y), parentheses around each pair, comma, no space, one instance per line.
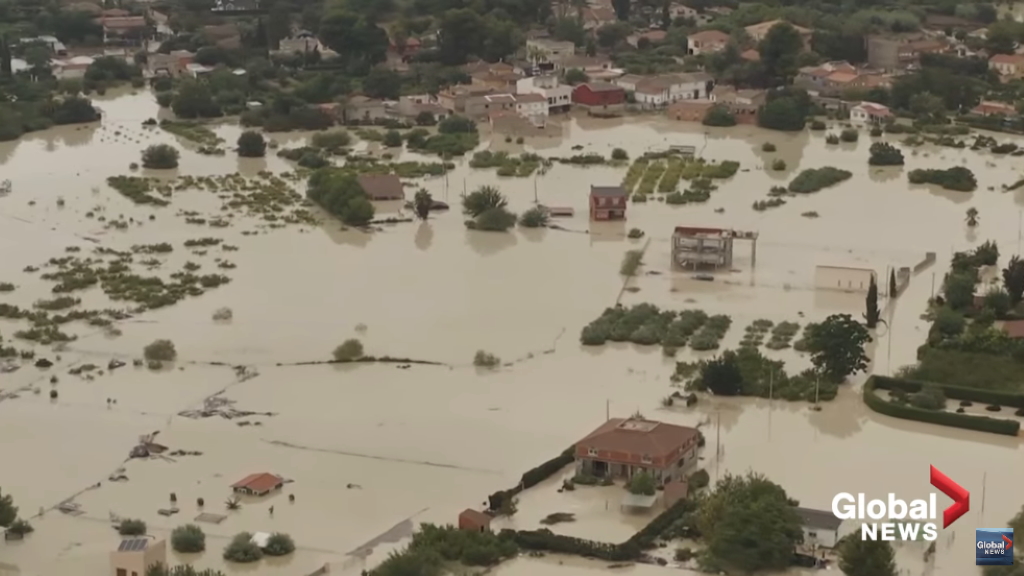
(558,517)
(114,364)
(43,363)
(218,405)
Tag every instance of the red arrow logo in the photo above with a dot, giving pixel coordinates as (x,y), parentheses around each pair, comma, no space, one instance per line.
(961,498)
(1009,543)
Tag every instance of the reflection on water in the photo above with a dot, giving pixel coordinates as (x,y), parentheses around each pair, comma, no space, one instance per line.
(425,442)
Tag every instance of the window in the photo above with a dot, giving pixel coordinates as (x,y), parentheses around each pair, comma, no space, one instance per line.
(122,572)
(812,534)
(592,451)
(646,459)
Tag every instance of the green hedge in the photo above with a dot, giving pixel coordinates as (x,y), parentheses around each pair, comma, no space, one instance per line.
(532,477)
(547,541)
(907,412)
(999,397)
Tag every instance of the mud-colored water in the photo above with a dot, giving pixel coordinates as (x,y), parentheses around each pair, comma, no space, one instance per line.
(422,443)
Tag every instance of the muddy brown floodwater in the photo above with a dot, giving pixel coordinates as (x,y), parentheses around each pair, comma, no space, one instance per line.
(422,443)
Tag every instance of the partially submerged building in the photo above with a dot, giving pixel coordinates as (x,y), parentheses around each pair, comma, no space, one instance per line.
(259,484)
(846,278)
(379,187)
(624,447)
(474,520)
(821,527)
(608,203)
(135,555)
(694,247)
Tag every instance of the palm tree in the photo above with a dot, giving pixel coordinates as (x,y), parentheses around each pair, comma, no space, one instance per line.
(422,203)
(972,217)
(233,503)
(483,199)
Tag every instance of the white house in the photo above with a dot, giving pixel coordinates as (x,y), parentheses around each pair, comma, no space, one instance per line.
(821,527)
(869,113)
(558,95)
(706,41)
(533,107)
(656,91)
(72,68)
(844,278)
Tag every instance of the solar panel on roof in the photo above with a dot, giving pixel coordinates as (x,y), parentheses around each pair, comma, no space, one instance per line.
(132,545)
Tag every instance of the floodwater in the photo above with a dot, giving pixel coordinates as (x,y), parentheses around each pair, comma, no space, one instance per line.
(421,443)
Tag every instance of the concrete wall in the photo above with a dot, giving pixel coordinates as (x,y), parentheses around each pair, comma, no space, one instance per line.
(843,278)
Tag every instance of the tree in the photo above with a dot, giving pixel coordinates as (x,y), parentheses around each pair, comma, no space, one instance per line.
(426,118)
(279,545)
(576,76)
(972,217)
(779,50)
(242,549)
(422,202)
(383,83)
(193,99)
(461,36)
(8,511)
(837,347)
(719,115)
(160,350)
(866,557)
(1013,279)
(359,42)
(483,199)
(619,154)
(611,35)
(893,289)
(536,217)
(871,314)
(622,9)
(782,113)
(130,527)
(958,288)
(349,350)
(748,524)
(6,69)
(338,191)
(642,484)
(885,154)
(252,145)
(160,157)
(188,539)
(494,220)
(392,139)
(1001,38)
(722,375)
(927,106)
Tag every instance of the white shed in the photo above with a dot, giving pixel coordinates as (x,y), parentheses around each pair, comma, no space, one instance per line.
(821,527)
(846,278)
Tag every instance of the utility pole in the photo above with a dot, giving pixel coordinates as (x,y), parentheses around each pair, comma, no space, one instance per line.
(1018,229)
(718,442)
(771,385)
(536,202)
(888,353)
(984,483)
(607,409)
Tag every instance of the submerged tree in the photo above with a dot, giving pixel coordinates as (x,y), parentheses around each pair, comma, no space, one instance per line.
(483,199)
(893,289)
(837,347)
(871,313)
(8,511)
(422,203)
(866,557)
(972,217)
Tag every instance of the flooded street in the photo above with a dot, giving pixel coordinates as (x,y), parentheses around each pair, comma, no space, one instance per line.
(420,443)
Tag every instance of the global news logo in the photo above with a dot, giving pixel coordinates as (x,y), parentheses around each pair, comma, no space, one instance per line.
(994,547)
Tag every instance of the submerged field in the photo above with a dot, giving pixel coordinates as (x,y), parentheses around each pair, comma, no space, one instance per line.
(422,442)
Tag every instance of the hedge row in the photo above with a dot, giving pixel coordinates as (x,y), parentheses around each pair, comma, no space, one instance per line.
(532,477)
(547,541)
(1001,398)
(907,412)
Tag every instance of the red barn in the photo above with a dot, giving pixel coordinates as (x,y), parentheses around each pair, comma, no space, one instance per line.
(600,98)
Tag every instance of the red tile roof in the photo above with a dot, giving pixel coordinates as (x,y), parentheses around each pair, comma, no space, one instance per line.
(1014,328)
(259,482)
(641,437)
(1017,59)
(710,36)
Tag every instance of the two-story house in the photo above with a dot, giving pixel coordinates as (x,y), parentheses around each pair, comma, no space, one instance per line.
(600,98)
(658,91)
(607,203)
(622,448)
(558,95)
(1007,65)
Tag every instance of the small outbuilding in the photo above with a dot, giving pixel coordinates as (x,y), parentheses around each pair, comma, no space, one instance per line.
(134,555)
(259,484)
(474,521)
(382,186)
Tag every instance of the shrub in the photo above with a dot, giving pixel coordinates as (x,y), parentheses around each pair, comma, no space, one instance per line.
(279,545)
(635,233)
(160,157)
(684,554)
(956,178)
(778,164)
(20,527)
(929,397)
(241,549)
(699,479)
(832,139)
(849,135)
(131,528)
(160,351)
(493,220)
(536,217)
(619,154)
(631,261)
(815,179)
(768,147)
(642,484)
(223,314)
(782,113)
(876,132)
(817,125)
(188,539)
(251,145)
(484,359)
(332,140)
(885,154)
(348,350)
(392,139)
(719,115)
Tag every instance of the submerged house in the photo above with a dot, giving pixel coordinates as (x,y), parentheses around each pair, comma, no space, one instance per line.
(259,484)
(623,447)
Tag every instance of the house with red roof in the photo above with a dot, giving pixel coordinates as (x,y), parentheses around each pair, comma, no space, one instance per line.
(1011,65)
(624,447)
(258,484)
(706,41)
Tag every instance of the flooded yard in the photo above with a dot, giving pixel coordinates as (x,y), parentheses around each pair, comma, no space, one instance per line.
(374,449)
